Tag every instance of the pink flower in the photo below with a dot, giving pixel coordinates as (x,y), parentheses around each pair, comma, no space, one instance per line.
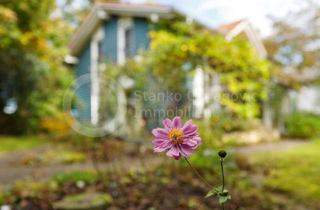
(176,139)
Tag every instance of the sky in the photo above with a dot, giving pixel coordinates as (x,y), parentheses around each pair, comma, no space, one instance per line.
(216,12)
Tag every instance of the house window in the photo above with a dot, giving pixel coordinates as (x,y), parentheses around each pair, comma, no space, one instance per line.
(128,42)
(125,39)
(100,52)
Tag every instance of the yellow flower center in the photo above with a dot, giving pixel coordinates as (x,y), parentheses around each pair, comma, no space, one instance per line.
(176,135)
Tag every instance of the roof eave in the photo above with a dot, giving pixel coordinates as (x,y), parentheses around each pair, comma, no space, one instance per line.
(138,10)
(102,12)
(254,39)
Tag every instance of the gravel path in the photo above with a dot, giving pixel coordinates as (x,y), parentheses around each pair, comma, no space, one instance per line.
(11,170)
(272,146)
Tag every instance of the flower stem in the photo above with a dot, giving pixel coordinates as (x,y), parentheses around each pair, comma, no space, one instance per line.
(222,173)
(222,178)
(198,174)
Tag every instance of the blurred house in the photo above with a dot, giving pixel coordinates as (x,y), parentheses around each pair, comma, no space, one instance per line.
(112,32)
(304,98)
(206,88)
(117,31)
(307,97)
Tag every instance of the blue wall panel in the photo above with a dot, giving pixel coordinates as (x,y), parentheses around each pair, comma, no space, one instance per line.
(83,93)
(140,34)
(110,40)
(109,50)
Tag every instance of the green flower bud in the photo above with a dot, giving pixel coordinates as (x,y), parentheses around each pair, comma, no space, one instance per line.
(222,153)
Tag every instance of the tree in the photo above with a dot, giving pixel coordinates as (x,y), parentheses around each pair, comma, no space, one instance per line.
(32,46)
(175,55)
(295,41)
(293,49)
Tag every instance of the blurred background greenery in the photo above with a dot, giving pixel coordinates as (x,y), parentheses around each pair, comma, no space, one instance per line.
(45,164)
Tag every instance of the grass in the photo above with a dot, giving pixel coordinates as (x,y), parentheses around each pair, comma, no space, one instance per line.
(295,173)
(87,177)
(12,143)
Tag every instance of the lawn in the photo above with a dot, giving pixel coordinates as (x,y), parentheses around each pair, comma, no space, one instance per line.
(12,143)
(294,173)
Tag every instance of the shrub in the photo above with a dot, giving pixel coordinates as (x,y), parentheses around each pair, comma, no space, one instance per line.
(211,135)
(56,125)
(76,176)
(229,123)
(213,129)
(302,125)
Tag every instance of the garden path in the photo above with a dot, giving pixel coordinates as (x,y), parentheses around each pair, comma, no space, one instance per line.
(11,168)
(271,146)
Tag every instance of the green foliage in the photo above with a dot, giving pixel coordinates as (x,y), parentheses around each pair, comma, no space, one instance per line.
(32,45)
(72,157)
(209,161)
(84,201)
(76,176)
(10,143)
(293,43)
(206,159)
(211,135)
(65,156)
(30,189)
(223,196)
(294,172)
(213,192)
(176,50)
(302,125)
(229,123)
(173,56)
(111,85)
(212,130)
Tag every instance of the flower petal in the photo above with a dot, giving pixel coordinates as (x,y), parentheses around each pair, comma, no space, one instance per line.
(177,122)
(186,150)
(160,133)
(192,141)
(167,123)
(174,152)
(158,142)
(162,148)
(190,138)
(189,129)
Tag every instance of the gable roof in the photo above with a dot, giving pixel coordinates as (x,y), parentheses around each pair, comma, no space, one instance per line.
(228,27)
(103,11)
(233,29)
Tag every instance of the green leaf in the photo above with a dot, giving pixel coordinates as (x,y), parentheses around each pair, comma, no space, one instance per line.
(224,196)
(209,194)
(214,191)
(223,199)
